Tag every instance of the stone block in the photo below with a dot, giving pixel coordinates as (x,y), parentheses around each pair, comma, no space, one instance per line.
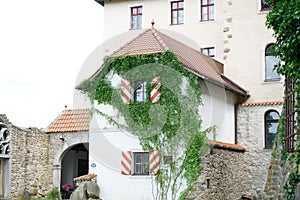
(93,190)
(79,193)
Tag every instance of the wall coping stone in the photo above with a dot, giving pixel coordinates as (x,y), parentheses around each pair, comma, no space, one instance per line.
(224,145)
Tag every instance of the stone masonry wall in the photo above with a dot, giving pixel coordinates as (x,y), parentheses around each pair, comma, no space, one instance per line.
(251,136)
(222,177)
(30,170)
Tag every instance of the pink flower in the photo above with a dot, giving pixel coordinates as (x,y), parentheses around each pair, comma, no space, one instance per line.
(67,186)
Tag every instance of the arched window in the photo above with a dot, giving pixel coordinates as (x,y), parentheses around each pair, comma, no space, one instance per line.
(270,61)
(271,125)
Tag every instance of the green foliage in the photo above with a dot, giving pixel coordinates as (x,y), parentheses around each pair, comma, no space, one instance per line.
(171,126)
(284,19)
(185,192)
(54,194)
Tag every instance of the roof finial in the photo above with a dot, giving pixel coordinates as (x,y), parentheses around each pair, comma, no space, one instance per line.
(152,23)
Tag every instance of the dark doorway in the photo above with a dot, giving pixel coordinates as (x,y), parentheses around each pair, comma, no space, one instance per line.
(74,163)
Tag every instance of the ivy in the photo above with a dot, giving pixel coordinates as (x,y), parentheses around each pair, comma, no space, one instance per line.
(284,19)
(171,126)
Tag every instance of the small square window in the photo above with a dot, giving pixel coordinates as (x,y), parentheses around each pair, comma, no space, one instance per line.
(208,51)
(141,163)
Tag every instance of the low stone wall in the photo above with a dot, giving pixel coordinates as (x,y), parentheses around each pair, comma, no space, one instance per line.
(30,169)
(223,174)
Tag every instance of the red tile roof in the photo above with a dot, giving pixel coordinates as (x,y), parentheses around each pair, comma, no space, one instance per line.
(225,145)
(71,121)
(266,103)
(153,41)
(86,177)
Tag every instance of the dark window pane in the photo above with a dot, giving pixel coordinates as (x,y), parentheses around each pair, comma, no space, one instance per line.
(271,126)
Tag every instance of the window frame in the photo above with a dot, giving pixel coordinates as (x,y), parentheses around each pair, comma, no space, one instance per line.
(136,15)
(144,91)
(177,10)
(268,53)
(270,121)
(144,171)
(208,50)
(207,6)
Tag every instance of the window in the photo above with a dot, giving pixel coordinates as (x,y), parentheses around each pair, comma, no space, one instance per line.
(270,61)
(266,5)
(177,15)
(141,163)
(136,17)
(140,91)
(289,120)
(207,10)
(271,125)
(208,51)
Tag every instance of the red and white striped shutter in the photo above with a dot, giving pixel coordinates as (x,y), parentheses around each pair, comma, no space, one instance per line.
(126,162)
(154,162)
(126,91)
(155,89)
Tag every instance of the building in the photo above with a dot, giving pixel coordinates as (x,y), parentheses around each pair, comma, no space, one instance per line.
(234,35)
(232,32)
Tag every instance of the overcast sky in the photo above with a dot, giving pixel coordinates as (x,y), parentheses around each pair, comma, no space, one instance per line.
(43,45)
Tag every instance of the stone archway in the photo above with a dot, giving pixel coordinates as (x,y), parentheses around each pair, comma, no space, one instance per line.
(69,141)
(74,163)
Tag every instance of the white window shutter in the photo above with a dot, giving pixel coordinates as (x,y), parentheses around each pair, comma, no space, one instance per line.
(126,162)
(154,162)
(126,91)
(155,89)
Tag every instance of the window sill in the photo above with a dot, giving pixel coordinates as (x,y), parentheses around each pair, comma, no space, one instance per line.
(140,176)
(207,21)
(272,81)
(264,11)
(136,29)
(176,24)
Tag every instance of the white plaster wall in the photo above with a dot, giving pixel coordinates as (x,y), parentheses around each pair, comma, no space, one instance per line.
(106,146)
(245,63)
(218,110)
(107,142)
(245,40)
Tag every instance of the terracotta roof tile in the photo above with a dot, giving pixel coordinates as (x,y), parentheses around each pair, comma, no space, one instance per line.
(225,145)
(71,121)
(153,41)
(86,177)
(266,103)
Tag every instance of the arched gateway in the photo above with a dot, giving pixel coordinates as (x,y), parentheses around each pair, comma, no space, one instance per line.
(69,141)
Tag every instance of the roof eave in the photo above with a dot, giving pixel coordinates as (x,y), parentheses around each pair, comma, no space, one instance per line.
(245,95)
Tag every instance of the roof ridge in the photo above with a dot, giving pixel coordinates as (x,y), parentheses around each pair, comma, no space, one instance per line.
(131,41)
(156,33)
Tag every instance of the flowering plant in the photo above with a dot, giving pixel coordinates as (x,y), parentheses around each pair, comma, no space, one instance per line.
(67,190)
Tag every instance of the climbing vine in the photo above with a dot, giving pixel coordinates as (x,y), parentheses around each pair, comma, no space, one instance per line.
(171,126)
(284,19)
